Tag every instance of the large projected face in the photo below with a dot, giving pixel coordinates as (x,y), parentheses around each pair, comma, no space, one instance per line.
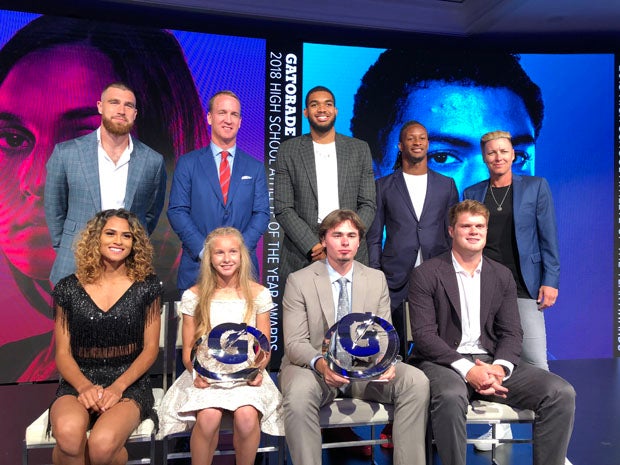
(33,118)
(456,116)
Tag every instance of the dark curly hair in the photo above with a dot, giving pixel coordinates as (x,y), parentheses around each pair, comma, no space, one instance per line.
(89,266)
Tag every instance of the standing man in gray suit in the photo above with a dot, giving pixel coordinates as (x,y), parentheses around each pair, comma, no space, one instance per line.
(313,298)
(101,170)
(315,174)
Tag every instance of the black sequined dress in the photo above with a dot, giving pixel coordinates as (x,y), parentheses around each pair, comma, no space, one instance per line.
(105,344)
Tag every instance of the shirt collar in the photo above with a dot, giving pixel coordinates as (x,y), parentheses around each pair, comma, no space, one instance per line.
(335,276)
(459,269)
(216,150)
(129,148)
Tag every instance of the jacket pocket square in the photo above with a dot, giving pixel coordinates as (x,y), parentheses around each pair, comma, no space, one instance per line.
(245,177)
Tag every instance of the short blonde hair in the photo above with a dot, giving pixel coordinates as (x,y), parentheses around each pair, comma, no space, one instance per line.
(473,207)
(494,135)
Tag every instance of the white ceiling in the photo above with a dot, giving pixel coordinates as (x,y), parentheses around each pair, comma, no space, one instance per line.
(449,17)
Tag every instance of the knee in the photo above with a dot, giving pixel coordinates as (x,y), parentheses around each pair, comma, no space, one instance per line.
(565,394)
(450,399)
(103,447)
(300,398)
(246,420)
(207,422)
(414,384)
(70,438)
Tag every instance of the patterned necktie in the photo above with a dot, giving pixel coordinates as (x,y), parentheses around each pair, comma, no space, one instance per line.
(224,175)
(343,299)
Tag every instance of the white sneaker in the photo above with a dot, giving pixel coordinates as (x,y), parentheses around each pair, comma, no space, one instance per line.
(502,431)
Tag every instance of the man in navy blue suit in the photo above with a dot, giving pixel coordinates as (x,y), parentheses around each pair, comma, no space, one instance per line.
(412,207)
(218,185)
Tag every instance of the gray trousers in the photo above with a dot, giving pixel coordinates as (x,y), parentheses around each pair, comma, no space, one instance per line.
(304,393)
(534,349)
(549,396)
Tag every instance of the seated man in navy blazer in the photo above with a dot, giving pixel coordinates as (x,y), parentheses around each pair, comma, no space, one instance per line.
(467,333)
(218,185)
(101,170)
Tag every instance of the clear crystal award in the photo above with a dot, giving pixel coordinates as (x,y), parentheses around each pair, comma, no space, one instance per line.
(361,346)
(231,352)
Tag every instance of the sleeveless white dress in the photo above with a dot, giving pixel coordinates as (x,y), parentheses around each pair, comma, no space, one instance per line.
(177,412)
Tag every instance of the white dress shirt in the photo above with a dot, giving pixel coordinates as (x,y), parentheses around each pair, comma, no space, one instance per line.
(113,176)
(326,178)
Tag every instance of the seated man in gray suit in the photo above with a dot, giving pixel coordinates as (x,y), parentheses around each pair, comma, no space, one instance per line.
(467,333)
(311,301)
(101,170)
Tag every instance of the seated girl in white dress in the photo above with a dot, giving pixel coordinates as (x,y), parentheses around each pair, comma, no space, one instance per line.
(224,293)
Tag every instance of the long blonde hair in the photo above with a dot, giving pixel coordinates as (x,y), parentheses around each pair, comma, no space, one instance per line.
(207,281)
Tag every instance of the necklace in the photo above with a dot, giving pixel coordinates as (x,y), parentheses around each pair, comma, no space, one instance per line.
(499,204)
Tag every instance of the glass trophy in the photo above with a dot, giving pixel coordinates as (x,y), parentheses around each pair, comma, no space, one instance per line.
(361,346)
(231,352)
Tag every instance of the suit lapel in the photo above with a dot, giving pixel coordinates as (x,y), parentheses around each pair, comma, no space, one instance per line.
(134,175)
(401,187)
(358,290)
(343,159)
(209,169)
(448,279)
(324,292)
(480,191)
(487,287)
(307,159)
(517,194)
(235,177)
(431,178)
(88,160)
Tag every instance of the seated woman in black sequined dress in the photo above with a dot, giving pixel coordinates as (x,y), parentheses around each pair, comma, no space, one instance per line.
(107,336)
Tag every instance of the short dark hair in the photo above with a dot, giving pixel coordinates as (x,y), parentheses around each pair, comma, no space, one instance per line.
(340,216)
(472,207)
(319,89)
(398,163)
(388,82)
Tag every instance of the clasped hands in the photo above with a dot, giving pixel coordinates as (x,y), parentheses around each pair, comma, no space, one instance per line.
(98,399)
(487,379)
(318,252)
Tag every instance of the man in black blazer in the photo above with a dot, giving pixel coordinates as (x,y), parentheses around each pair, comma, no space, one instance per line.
(316,174)
(467,333)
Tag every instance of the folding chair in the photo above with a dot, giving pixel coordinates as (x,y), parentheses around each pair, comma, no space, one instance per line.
(269,444)
(36,437)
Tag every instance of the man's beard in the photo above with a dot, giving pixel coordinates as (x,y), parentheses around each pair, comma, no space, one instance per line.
(324,128)
(415,160)
(116,129)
